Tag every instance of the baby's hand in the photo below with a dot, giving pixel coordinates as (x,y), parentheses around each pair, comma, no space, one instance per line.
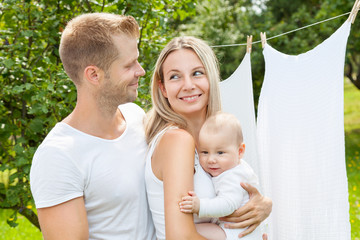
(190,204)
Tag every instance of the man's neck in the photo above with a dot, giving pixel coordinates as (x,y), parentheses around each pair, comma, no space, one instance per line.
(92,120)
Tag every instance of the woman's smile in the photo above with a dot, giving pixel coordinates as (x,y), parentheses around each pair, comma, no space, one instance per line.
(190,99)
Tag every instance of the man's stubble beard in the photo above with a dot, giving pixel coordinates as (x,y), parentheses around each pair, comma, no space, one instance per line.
(111,96)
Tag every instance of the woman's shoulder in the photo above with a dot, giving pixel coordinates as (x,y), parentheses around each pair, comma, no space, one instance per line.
(177,135)
(175,146)
(175,140)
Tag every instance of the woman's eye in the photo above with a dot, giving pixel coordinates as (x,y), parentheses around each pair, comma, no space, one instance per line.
(174,77)
(198,73)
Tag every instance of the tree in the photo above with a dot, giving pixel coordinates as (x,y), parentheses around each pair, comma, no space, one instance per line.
(222,22)
(310,11)
(36,93)
(227,22)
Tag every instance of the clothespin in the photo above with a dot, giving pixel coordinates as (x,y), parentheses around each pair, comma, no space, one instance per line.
(263,38)
(249,43)
(354,11)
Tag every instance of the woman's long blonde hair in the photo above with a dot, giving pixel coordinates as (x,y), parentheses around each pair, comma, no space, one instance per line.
(161,115)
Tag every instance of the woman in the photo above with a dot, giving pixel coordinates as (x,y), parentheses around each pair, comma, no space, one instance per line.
(185,91)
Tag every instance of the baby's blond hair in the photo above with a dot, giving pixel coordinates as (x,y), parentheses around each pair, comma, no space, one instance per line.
(220,121)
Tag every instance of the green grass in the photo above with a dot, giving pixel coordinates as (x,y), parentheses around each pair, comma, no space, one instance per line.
(26,231)
(352,144)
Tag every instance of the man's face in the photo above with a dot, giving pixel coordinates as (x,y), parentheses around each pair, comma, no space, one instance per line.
(122,78)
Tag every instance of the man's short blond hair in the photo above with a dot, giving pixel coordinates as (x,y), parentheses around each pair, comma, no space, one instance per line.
(220,121)
(88,40)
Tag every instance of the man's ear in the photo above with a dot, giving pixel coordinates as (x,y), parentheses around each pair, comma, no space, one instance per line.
(162,89)
(93,74)
(241,150)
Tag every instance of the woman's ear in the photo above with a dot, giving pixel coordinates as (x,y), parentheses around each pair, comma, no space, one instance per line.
(241,150)
(93,74)
(162,89)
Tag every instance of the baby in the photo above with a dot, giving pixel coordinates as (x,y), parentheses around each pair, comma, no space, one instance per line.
(220,153)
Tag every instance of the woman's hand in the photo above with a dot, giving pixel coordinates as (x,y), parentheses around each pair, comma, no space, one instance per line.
(252,213)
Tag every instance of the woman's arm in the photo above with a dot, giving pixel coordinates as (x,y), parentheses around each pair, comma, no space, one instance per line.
(173,160)
(252,213)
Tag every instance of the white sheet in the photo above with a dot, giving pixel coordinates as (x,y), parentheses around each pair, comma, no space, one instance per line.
(301,141)
(237,98)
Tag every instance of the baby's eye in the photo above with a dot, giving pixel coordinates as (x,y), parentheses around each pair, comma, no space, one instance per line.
(220,152)
(204,152)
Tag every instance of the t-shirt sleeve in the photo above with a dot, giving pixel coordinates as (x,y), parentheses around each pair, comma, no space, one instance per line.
(54,177)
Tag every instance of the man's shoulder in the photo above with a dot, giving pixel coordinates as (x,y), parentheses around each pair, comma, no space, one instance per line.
(131,108)
(61,132)
(133,114)
(58,141)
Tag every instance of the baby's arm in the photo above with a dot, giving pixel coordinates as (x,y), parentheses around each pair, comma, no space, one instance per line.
(190,204)
(218,206)
(229,197)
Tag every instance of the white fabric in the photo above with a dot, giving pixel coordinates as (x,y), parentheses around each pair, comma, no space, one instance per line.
(155,191)
(301,141)
(230,196)
(108,173)
(237,98)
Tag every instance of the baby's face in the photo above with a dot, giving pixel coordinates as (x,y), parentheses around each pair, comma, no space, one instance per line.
(218,152)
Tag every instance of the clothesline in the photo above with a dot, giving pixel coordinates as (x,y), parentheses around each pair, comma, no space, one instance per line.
(313,24)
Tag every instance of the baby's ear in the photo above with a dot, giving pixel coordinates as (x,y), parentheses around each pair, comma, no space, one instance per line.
(241,150)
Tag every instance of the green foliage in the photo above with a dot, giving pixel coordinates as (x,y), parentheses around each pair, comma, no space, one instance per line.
(222,22)
(36,93)
(227,22)
(352,146)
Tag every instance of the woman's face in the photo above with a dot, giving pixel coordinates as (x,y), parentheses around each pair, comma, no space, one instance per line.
(185,83)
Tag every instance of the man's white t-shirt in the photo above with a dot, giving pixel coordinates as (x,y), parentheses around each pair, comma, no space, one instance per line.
(109,174)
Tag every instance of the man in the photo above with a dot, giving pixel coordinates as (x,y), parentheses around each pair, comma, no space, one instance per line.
(87,177)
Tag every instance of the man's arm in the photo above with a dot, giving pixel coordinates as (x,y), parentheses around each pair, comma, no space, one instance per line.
(64,221)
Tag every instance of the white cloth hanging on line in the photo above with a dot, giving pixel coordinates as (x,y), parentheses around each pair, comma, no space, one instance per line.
(237,98)
(301,141)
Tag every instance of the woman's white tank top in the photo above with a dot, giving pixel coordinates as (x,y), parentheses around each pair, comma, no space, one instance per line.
(155,192)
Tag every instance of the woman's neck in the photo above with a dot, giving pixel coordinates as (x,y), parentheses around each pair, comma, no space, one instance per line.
(194,125)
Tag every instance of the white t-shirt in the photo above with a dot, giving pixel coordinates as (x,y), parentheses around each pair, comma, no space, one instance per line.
(230,196)
(109,174)
(155,191)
